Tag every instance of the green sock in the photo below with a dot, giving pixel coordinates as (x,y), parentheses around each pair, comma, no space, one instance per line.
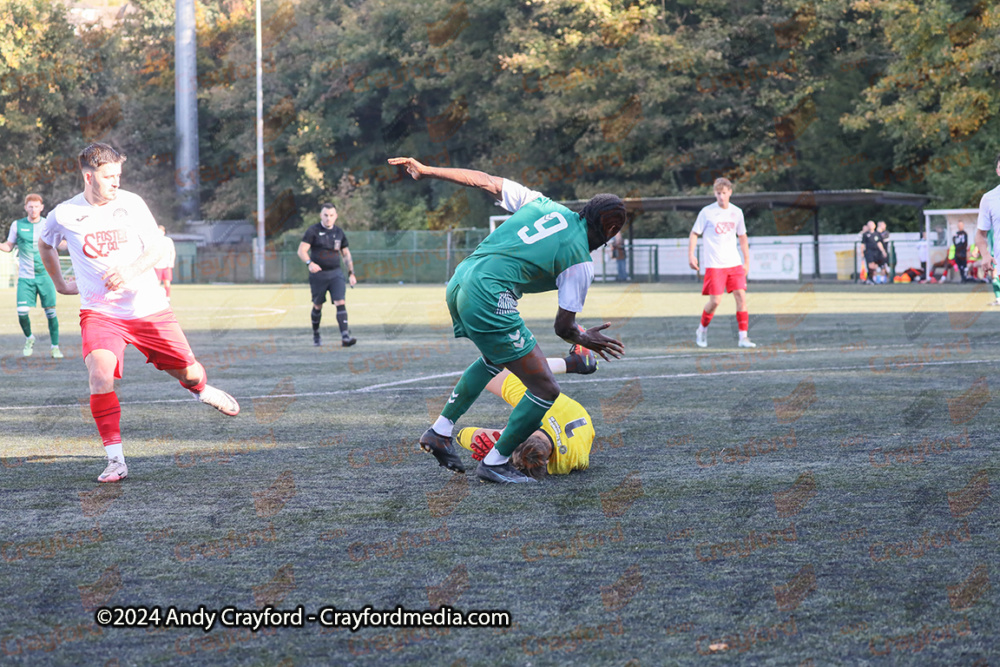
(25,322)
(53,326)
(470,385)
(524,420)
(996,288)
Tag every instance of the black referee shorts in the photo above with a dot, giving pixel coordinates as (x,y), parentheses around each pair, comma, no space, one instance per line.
(331,281)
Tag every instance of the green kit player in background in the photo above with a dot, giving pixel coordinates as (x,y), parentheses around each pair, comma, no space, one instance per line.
(33,280)
(543,246)
(995,281)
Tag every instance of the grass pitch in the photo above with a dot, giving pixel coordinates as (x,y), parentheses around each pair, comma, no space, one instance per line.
(822,499)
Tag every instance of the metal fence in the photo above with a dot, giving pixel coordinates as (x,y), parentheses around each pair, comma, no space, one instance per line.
(431,257)
(379,257)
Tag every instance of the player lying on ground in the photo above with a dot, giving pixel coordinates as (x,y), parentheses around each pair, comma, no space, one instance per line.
(563,442)
(114,244)
(543,246)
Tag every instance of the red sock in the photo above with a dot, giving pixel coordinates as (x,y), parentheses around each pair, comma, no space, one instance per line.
(108,415)
(706,317)
(196,389)
(743,320)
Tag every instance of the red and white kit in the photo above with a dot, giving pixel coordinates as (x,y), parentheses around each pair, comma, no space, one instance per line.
(720,229)
(100,238)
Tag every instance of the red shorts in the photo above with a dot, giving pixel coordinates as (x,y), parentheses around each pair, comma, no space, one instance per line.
(728,280)
(158,337)
(164,274)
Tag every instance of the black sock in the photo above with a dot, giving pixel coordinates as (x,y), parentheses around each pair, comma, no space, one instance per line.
(316,315)
(342,320)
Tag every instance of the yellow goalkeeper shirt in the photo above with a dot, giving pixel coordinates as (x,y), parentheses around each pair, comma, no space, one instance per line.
(567,424)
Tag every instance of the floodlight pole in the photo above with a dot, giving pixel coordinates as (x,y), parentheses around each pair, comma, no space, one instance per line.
(186,179)
(260,156)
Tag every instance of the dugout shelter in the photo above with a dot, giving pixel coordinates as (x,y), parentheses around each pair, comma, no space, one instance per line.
(791,209)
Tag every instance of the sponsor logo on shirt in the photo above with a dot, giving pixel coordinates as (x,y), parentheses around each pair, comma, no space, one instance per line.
(101,244)
(724,227)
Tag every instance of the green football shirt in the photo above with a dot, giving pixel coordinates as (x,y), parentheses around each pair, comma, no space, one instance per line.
(542,247)
(25,236)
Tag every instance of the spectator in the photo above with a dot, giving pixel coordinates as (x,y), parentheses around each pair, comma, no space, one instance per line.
(922,255)
(960,242)
(618,254)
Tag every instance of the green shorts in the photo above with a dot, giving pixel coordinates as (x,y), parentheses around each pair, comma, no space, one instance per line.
(29,290)
(486,313)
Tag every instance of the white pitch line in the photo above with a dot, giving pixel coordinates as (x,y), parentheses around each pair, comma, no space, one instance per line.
(399,383)
(773,370)
(766,350)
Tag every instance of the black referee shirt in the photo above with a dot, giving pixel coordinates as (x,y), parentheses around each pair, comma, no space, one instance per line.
(871,241)
(961,242)
(325,245)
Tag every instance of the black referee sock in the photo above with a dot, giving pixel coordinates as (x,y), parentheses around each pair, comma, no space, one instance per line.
(316,315)
(342,320)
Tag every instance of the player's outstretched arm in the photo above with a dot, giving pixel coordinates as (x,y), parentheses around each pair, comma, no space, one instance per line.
(592,338)
(467,177)
(50,258)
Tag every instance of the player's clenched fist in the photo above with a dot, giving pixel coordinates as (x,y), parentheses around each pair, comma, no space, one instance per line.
(413,167)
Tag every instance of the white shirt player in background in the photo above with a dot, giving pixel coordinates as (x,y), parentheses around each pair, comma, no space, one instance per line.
(165,267)
(989,221)
(113,243)
(722,225)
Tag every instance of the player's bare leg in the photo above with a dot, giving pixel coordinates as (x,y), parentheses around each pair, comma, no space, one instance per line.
(701,334)
(107,412)
(742,318)
(194,379)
